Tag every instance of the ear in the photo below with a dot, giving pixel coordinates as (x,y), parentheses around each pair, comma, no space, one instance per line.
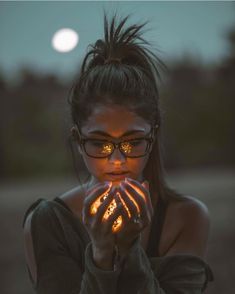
(74,132)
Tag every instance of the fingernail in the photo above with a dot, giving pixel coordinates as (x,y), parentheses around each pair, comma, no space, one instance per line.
(145,183)
(108,183)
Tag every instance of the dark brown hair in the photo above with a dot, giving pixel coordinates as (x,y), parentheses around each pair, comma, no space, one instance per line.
(121,69)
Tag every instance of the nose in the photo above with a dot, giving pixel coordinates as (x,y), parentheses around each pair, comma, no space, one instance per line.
(117,156)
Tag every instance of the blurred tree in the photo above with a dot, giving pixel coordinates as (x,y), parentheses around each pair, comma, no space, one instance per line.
(198,118)
(198,104)
(3,90)
(35,124)
(231,39)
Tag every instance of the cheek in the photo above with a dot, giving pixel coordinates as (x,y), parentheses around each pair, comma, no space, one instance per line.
(94,166)
(136,166)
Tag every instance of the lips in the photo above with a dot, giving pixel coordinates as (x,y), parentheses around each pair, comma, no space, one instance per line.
(117,175)
(118,172)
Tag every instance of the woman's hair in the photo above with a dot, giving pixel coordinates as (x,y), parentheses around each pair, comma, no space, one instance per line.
(120,69)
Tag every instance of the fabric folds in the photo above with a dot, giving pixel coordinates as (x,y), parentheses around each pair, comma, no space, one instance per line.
(63,254)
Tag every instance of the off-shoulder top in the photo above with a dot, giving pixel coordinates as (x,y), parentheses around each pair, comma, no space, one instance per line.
(63,255)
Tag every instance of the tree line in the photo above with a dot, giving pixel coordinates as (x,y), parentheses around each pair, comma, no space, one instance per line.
(198,128)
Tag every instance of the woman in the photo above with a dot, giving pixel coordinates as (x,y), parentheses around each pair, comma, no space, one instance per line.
(122,230)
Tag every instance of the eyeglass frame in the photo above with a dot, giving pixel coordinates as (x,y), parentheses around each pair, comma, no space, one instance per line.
(149,138)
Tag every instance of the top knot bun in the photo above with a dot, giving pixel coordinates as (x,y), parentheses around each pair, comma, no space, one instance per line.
(118,69)
(122,45)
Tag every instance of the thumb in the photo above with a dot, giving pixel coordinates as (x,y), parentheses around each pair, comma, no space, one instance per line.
(145,184)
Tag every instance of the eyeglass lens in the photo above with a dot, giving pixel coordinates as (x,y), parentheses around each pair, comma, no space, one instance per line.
(100,148)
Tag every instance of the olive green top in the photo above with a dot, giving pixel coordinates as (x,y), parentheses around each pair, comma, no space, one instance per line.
(62,249)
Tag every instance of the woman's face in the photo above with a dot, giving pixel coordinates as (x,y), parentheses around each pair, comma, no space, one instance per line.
(114,122)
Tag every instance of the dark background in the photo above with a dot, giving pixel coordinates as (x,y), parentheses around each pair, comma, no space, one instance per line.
(197,101)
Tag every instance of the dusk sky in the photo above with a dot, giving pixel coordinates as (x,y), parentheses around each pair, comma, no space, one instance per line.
(177,28)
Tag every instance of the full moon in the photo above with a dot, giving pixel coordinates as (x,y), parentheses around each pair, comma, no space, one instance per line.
(65,40)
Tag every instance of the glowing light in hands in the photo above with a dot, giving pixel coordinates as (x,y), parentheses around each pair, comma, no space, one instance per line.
(95,205)
(113,205)
(139,192)
(110,210)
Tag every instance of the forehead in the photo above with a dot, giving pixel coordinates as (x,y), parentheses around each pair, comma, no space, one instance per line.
(114,120)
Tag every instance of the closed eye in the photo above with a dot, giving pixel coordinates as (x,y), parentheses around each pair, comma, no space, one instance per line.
(133,142)
(97,143)
(136,142)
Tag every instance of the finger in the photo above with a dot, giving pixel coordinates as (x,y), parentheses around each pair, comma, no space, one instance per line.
(126,216)
(96,186)
(124,210)
(145,184)
(107,207)
(127,221)
(124,205)
(97,191)
(142,207)
(119,199)
(142,188)
(129,203)
(92,200)
(143,191)
(115,220)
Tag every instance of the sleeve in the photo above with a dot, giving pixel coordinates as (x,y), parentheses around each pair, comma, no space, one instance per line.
(181,274)
(60,272)
(57,271)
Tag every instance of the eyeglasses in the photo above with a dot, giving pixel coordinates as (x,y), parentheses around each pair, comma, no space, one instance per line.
(133,148)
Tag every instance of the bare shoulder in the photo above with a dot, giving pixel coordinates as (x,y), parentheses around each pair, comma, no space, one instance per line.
(193,209)
(74,199)
(191,227)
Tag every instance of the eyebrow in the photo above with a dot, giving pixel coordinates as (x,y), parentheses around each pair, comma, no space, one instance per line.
(124,134)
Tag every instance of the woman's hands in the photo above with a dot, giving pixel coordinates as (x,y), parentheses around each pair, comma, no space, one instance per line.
(133,203)
(137,199)
(100,229)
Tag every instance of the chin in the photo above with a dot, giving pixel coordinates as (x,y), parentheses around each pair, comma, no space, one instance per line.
(116,183)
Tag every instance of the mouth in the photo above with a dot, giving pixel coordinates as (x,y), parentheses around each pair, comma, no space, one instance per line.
(117,175)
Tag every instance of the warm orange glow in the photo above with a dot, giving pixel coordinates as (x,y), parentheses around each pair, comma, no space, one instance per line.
(138,190)
(107,149)
(110,209)
(133,200)
(126,146)
(124,204)
(113,205)
(95,205)
(118,222)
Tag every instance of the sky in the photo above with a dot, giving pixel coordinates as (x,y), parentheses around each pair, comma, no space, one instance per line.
(177,28)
